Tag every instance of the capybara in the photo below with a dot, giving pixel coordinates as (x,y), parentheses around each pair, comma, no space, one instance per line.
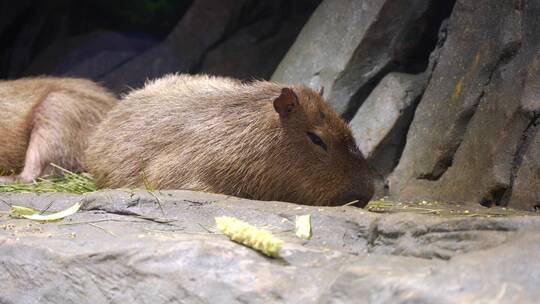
(46,120)
(258,140)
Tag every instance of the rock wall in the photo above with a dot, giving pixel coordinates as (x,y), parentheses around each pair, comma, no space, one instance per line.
(244,39)
(465,128)
(348,45)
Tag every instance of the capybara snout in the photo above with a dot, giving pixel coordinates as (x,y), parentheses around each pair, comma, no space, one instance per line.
(259,140)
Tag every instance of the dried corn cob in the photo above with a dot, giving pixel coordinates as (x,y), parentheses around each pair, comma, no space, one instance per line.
(246,234)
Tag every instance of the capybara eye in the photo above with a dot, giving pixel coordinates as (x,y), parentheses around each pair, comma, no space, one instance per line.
(317,140)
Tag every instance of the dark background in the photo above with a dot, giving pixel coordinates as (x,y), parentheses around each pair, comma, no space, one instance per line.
(121,43)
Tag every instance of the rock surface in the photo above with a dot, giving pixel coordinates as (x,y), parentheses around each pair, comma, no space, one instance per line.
(473,134)
(381,124)
(346,46)
(90,55)
(244,55)
(143,247)
(526,189)
(122,45)
(245,39)
(204,24)
(474,122)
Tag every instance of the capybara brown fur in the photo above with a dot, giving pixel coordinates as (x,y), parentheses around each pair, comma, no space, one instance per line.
(46,120)
(258,140)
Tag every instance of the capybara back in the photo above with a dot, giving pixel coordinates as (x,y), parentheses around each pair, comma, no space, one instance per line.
(258,140)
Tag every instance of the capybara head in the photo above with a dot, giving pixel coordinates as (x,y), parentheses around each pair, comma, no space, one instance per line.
(328,167)
(259,140)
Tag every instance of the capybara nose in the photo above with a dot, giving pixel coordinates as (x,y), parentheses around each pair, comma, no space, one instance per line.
(364,191)
(361,193)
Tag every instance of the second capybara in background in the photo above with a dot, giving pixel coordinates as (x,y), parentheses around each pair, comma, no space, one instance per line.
(47,120)
(258,140)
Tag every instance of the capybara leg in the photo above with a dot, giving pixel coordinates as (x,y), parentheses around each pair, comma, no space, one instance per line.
(36,159)
(49,139)
(33,164)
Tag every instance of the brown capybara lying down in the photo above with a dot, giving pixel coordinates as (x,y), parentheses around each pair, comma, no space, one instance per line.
(258,140)
(46,120)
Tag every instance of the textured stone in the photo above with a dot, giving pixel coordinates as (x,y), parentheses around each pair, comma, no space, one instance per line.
(346,45)
(90,55)
(243,39)
(160,247)
(470,128)
(526,188)
(525,193)
(157,61)
(204,24)
(244,56)
(381,124)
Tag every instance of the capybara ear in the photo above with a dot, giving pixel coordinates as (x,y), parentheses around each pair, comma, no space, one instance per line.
(286,102)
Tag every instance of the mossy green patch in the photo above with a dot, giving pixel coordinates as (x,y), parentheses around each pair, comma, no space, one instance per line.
(70,183)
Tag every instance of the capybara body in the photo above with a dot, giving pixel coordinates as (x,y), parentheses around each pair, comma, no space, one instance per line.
(46,120)
(258,140)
